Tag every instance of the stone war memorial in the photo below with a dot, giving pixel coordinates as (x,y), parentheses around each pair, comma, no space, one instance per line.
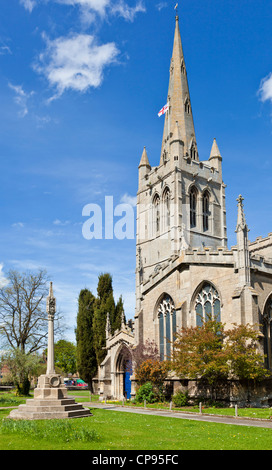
(50,397)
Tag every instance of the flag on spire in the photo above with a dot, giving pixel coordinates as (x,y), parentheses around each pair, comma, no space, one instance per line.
(163,110)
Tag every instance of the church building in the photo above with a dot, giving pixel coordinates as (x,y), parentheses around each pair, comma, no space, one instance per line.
(185,271)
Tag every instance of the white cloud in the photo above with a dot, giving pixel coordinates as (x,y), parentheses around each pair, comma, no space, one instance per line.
(128,13)
(265,90)
(21,98)
(99,6)
(5,50)
(3,280)
(89,8)
(63,223)
(28,4)
(127,199)
(161,5)
(75,62)
(18,225)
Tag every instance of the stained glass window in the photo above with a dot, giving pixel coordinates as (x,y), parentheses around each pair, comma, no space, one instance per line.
(167,326)
(207,305)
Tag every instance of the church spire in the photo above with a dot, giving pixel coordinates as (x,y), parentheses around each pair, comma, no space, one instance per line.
(180,109)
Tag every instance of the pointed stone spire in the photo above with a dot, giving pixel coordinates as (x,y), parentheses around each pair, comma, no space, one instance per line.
(215,156)
(144,160)
(243,262)
(180,109)
(108,326)
(123,323)
(215,152)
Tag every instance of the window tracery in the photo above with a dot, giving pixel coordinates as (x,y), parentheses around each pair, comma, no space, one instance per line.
(157,216)
(193,207)
(207,305)
(167,326)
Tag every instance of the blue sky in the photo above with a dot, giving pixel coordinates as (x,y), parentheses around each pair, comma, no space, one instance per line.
(81,83)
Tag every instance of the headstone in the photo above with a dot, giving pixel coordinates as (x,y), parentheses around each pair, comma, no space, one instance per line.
(50,397)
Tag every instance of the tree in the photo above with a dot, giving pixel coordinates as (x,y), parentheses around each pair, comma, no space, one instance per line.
(65,356)
(209,353)
(199,353)
(145,351)
(20,366)
(153,372)
(23,312)
(243,356)
(86,356)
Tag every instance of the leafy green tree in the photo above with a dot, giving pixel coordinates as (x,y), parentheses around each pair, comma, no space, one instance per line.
(86,356)
(245,360)
(212,354)
(65,356)
(20,367)
(199,353)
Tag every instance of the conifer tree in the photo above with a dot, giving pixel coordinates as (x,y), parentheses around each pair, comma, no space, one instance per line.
(86,356)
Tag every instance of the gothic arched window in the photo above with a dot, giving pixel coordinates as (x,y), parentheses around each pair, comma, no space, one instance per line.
(156,211)
(207,304)
(167,326)
(205,211)
(267,332)
(193,206)
(187,106)
(166,208)
(193,152)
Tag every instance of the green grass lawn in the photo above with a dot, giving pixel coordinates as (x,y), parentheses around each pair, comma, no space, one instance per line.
(111,430)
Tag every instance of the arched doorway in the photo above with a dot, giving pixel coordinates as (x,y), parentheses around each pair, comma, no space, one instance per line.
(124,372)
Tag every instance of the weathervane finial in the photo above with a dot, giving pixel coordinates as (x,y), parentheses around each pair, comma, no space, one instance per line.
(176,8)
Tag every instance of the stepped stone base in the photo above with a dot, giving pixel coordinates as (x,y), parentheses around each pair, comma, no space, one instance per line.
(50,402)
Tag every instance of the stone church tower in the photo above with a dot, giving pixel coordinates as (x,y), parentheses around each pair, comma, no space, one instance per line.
(184,270)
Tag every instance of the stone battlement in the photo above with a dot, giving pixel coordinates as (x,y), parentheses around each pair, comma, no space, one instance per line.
(260,243)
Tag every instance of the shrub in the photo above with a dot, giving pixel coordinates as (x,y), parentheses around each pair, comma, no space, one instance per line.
(180,399)
(146,392)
